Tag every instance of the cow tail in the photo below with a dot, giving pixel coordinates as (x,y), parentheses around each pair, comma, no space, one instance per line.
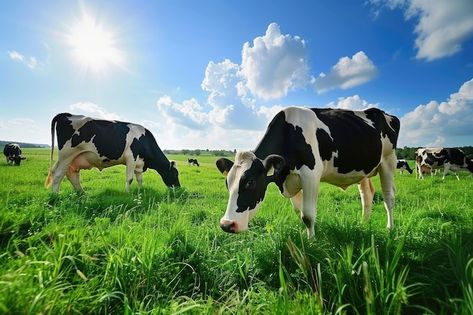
(49,179)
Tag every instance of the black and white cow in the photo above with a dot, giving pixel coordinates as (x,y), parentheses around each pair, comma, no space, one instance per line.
(193,162)
(85,142)
(450,159)
(303,147)
(402,166)
(12,152)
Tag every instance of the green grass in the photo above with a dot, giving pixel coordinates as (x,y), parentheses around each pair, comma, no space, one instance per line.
(161,251)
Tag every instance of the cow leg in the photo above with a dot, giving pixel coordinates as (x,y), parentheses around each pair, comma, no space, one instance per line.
(386,174)
(58,172)
(74,178)
(296,201)
(419,171)
(139,179)
(130,169)
(310,187)
(366,190)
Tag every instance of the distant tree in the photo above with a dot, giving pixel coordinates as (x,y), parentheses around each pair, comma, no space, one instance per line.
(197,152)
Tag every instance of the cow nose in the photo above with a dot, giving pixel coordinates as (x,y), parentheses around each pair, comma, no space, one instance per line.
(228,226)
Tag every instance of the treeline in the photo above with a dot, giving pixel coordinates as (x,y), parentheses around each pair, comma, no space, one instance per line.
(198,152)
(23,144)
(408,153)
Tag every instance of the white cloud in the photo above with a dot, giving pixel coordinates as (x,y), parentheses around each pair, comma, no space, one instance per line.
(188,113)
(354,102)
(232,116)
(441,26)
(92,109)
(24,130)
(347,73)
(448,123)
(275,64)
(30,62)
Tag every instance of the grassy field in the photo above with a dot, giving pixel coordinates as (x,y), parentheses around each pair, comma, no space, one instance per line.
(162,251)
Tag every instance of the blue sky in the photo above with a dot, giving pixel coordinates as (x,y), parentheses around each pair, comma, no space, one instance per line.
(211,74)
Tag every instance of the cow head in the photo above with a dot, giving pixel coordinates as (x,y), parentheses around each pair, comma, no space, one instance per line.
(246,180)
(16,159)
(469,164)
(171,175)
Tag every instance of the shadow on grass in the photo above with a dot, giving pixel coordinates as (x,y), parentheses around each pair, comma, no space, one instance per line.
(112,203)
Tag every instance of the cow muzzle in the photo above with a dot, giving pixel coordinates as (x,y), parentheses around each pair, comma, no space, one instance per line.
(228,226)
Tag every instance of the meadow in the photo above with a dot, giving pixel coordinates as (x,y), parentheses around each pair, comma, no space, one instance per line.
(161,251)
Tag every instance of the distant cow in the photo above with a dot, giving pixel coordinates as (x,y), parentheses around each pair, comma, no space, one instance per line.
(85,142)
(193,162)
(303,147)
(402,166)
(12,152)
(450,159)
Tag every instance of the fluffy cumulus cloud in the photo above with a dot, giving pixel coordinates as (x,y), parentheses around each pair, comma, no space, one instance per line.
(354,102)
(30,62)
(92,109)
(447,123)
(229,105)
(441,26)
(271,66)
(188,113)
(274,64)
(347,73)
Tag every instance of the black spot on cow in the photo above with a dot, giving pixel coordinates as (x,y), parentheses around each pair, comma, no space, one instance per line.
(455,156)
(64,129)
(254,181)
(252,186)
(326,145)
(100,132)
(390,130)
(358,144)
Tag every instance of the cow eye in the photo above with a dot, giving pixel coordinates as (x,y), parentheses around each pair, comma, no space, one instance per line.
(251,184)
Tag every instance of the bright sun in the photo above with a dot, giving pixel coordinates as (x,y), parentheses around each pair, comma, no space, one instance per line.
(93,46)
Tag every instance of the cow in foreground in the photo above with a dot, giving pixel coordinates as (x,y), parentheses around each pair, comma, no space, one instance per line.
(12,152)
(193,162)
(303,147)
(450,159)
(85,142)
(402,166)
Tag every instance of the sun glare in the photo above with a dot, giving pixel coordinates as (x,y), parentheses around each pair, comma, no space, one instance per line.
(93,46)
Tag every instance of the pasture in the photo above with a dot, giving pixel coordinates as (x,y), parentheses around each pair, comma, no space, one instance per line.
(162,251)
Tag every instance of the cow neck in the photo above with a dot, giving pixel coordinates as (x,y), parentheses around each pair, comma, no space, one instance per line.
(273,142)
(159,162)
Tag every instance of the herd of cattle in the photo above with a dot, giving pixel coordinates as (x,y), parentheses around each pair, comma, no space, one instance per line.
(301,148)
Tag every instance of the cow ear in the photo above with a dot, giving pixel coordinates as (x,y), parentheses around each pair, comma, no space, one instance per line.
(276,162)
(172,164)
(224,165)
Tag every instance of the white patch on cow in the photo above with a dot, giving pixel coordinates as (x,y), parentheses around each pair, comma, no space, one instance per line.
(363,116)
(389,120)
(77,121)
(243,161)
(292,185)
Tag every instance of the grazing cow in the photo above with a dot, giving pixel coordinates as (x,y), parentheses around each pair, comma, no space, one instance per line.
(450,159)
(85,142)
(12,152)
(303,147)
(193,162)
(402,166)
